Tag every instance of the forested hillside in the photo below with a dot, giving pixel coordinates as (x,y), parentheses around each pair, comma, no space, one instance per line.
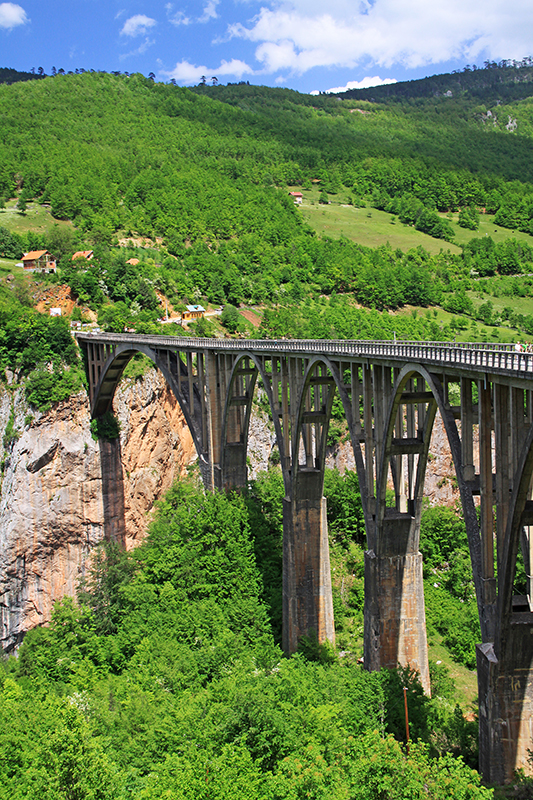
(164,678)
(196,182)
(205,173)
(493,82)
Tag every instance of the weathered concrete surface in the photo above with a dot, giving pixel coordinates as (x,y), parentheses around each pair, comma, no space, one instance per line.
(440,484)
(51,498)
(307,597)
(506,702)
(395,621)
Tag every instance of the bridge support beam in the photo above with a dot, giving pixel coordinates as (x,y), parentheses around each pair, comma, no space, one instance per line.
(505,687)
(307,598)
(395,620)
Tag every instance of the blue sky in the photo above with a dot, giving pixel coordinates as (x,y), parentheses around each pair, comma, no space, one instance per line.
(308,45)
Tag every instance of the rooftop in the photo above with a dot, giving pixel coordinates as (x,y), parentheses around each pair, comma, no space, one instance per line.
(33,254)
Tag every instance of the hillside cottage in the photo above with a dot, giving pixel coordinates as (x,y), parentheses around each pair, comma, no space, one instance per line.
(86,254)
(39,261)
(297,197)
(193,312)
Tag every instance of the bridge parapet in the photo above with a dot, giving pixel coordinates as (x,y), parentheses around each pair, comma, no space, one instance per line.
(390,393)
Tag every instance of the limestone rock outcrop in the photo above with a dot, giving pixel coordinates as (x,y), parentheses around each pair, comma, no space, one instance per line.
(56,500)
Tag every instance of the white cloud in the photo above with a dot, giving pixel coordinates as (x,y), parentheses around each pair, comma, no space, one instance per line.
(138,50)
(12,15)
(138,25)
(210,11)
(366,83)
(185,72)
(299,35)
(179,18)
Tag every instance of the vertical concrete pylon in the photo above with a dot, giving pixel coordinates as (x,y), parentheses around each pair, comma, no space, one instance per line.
(307,598)
(505,666)
(505,686)
(395,619)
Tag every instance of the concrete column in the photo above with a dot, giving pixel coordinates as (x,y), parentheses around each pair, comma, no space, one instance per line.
(505,688)
(395,619)
(467,433)
(234,473)
(307,598)
(113,491)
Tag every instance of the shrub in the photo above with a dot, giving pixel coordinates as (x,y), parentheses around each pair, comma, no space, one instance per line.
(105,427)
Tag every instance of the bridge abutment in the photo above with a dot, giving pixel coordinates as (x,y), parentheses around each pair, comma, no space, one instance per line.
(307,597)
(395,619)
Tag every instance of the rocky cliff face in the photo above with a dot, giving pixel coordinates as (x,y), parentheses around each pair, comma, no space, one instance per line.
(61,491)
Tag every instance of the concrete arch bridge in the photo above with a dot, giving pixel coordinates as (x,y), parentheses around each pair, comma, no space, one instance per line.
(390,393)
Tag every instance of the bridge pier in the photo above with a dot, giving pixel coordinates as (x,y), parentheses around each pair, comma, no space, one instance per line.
(505,687)
(307,597)
(395,620)
(234,470)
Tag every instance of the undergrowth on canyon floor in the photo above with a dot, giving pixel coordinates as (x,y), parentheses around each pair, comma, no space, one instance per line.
(165,678)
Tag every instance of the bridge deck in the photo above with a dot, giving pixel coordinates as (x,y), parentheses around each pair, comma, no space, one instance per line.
(466,357)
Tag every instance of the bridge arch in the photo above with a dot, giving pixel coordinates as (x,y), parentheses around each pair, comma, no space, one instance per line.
(434,399)
(238,401)
(382,374)
(111,374)
(321,380)
(505,664)
(395,629)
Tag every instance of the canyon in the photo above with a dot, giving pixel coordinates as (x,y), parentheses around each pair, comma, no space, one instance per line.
(62,492)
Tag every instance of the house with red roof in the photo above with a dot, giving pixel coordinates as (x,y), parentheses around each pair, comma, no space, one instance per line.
(297,197)
(86,254)
(39,261)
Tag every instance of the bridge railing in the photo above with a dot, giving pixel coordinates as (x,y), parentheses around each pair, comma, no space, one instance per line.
(480,356)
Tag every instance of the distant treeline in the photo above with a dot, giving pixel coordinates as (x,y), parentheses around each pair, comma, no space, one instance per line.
(505,80)
(13,76)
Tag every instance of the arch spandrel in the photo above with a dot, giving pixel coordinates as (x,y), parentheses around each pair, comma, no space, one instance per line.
(332,370)
(407,373)
(518,518)
(266,379)
(111,374)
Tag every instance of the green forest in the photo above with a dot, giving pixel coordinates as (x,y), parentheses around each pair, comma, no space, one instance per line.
(164,676)
(203,175)
(206,170)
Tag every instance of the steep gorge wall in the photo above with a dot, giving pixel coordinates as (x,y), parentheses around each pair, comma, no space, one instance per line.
(53,509)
